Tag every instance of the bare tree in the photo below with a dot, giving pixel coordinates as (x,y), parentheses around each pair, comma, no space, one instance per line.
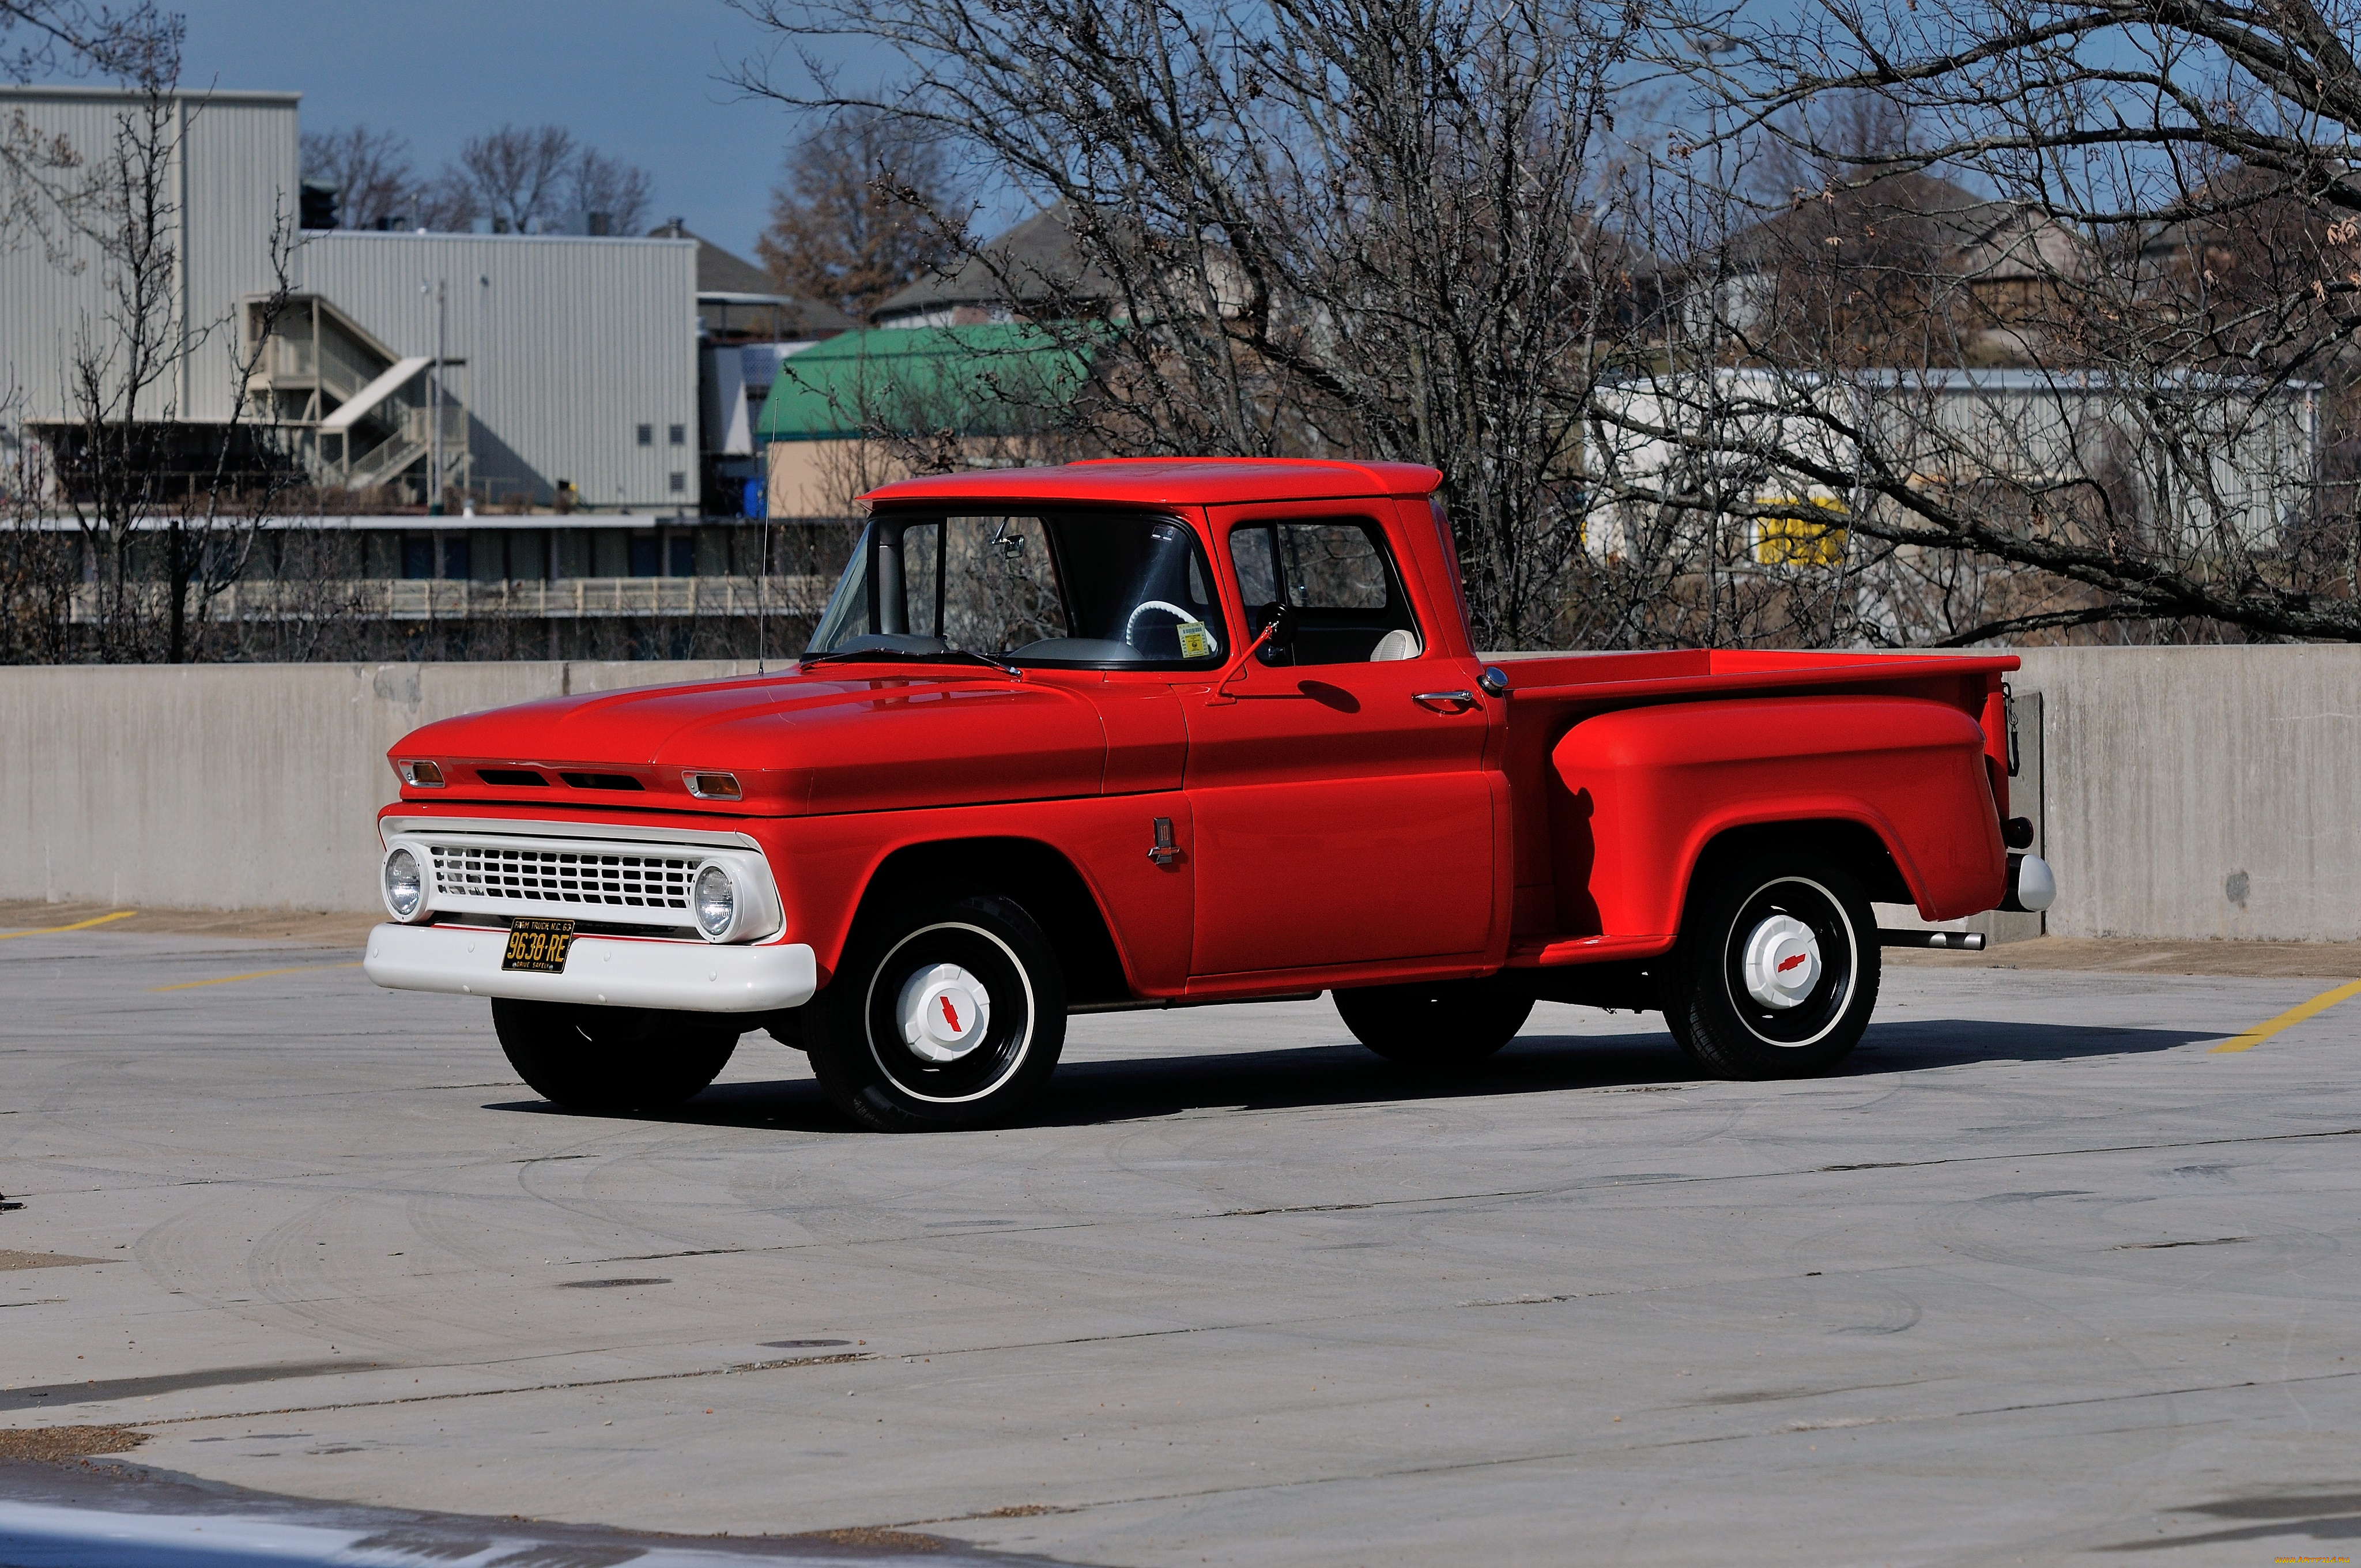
(2129,404)
(1304,227)
(371,170)
(513,176)
(848,222)
(41,174)
(608,186)
(140,43)
(520,177)
(168,507)
(37,562)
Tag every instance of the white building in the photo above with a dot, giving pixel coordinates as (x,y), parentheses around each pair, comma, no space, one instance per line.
(2212,462)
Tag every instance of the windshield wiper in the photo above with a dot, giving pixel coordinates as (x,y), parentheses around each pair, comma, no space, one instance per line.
(947,656)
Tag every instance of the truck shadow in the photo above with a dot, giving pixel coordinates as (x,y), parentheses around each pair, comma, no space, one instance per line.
(1645,1058)
(1340,1071)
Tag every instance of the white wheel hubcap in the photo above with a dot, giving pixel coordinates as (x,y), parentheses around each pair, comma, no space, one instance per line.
(1782,963)
(944,1013)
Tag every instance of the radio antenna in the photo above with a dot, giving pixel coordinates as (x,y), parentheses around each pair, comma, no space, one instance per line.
(761,587)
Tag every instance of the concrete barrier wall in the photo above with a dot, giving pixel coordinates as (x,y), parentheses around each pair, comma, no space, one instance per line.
(2202,792)
(231,786)
(2189,792)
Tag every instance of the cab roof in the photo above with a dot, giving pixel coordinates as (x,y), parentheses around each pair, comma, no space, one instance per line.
(1170,481)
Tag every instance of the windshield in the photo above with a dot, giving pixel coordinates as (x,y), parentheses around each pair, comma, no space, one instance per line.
(1085,590)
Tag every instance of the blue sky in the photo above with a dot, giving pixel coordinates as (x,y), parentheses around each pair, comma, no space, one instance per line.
(636,79)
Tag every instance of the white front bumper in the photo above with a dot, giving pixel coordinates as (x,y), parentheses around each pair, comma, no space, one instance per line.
(695,977)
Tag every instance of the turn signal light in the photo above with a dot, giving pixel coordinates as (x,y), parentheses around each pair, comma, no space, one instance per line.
(713,786)
(425,775)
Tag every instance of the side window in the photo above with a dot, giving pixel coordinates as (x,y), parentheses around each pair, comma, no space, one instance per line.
(1332,567)
(1340,580)
(1252,549)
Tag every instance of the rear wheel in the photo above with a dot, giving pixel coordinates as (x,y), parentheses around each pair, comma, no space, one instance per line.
(1438,1024)
(1777,970)
(612,1058)
(948,1014)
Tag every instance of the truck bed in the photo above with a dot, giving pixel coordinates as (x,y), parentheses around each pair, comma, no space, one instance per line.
(1556,917)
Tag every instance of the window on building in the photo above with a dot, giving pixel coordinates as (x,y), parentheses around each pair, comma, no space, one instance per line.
(610,553)
(455,555)
(682,548)
(574,556)
(647,435)
(679,436)
(418,555)
(679,483)
(643,555)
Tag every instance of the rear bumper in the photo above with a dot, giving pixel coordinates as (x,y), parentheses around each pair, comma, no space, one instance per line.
(695,977)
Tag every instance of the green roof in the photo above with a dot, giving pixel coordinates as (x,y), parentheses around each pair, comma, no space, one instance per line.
(998,379)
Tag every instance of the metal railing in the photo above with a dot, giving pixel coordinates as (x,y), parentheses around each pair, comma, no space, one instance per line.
(460,599)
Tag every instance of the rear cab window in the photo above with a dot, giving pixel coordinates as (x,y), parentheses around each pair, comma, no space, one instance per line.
(1341,581)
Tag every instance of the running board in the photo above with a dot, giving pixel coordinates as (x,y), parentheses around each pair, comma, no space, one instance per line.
(1950,941)
(1163,1003)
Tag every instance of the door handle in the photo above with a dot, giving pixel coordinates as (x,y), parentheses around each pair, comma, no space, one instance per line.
(1446,702)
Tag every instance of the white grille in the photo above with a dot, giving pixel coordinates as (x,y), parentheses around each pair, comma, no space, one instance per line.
(563,876)
(636,884)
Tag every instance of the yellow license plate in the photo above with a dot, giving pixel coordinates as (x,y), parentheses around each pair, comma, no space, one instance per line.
(538,945)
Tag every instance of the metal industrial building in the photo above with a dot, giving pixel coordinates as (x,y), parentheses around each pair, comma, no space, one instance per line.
(234,166)
(506,428)
(579,354)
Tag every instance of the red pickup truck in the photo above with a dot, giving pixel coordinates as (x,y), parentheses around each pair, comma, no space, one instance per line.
(1158,733)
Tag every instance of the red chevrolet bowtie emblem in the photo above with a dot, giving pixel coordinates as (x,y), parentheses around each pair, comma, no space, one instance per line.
(1784,965)
(950,1016)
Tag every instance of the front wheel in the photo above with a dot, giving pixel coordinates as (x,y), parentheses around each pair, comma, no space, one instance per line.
(1777,968)
(946,1014)
(1438,1024)
(612,1058)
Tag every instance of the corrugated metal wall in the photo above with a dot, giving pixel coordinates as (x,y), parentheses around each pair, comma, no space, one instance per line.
(571,346)
(237,164)
(241,182)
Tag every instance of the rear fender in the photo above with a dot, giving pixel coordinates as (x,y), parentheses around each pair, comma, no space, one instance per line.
(1647,790)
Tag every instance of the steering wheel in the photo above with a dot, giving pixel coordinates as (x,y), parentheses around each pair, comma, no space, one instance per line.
(1173,610)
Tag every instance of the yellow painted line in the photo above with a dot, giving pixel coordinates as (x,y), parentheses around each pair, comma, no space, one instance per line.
(2290,1019)
(258,974)
(77,925)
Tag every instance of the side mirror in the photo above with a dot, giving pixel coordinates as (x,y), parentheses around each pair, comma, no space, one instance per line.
(1276,624)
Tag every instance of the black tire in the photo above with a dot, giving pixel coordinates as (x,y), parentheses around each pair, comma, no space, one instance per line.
(612,1058)
(1794,913)
(860,1041)
(1438,1024)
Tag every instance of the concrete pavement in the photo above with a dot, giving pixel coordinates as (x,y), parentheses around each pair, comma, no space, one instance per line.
(2040,1277)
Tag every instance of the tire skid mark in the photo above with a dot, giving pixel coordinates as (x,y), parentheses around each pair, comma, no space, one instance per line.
(740,1369)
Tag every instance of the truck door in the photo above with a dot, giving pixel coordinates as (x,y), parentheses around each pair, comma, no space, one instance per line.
(1341,807)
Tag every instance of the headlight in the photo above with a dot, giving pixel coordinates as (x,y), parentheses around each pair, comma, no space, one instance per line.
(405,885)
(714,900)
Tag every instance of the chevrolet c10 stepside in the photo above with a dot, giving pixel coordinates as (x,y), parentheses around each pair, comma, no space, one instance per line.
(1137,734)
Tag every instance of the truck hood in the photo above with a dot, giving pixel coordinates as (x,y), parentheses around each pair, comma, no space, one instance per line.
(796,742)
